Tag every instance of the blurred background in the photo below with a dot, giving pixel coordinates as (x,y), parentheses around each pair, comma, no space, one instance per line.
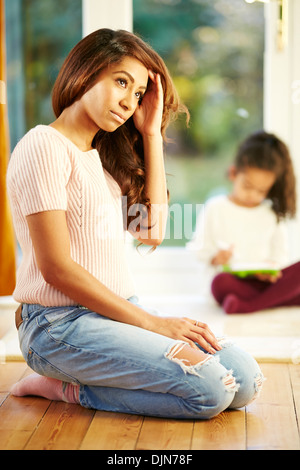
(214,50)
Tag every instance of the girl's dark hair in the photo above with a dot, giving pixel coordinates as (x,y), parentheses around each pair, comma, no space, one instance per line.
(266,151)
(121,151)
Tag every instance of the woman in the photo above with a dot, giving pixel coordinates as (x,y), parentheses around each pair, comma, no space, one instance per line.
(80,326)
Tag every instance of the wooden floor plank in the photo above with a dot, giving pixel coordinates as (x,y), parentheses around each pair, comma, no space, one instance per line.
(112,431)
(165,434)
(3,396)
(14,440)
(19,417)
(295,381)
(224,432)
(271,420)
(63,427)
(273,428)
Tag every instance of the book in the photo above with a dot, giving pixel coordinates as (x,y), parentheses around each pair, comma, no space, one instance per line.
(251,269)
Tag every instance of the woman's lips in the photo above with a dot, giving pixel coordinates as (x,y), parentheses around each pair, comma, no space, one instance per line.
(118,117)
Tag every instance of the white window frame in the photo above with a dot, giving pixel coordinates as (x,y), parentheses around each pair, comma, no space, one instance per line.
(113,14)
(170,271)
(282,93)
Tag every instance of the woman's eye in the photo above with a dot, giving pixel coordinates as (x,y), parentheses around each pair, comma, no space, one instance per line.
(122,82)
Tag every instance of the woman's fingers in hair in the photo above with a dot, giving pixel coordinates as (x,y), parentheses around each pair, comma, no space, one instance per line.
(152,75)
(155,78)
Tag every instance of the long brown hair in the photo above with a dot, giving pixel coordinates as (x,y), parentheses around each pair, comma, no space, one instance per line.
(121,151)
(266,151)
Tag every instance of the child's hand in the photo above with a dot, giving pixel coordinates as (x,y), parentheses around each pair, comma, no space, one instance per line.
(222,257)
(269,277)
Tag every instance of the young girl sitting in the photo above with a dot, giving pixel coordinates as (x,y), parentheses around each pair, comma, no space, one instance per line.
(247,227)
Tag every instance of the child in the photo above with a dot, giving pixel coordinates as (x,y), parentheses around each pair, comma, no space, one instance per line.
(80,326)
(247,226)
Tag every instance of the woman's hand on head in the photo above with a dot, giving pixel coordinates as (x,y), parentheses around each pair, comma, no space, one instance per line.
(148,115)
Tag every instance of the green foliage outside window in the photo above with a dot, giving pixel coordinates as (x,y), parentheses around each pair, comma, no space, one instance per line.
(214,50)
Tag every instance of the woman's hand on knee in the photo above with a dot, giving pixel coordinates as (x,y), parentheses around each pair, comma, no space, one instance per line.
(188,330)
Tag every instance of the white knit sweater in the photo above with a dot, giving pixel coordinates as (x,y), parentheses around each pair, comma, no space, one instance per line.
(252,232)
(48,172)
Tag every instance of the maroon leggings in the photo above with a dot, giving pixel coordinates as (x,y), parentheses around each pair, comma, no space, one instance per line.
(237,295)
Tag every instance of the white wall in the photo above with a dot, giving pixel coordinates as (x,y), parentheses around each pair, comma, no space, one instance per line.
(282,93)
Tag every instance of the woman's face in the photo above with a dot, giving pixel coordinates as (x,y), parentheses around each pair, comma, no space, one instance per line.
(251,186)
(115,96)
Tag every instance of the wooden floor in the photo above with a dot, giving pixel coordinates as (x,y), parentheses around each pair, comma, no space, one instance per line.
(269,423)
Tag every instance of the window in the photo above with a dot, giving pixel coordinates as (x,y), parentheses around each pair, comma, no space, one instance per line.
(214,50)
(39,35)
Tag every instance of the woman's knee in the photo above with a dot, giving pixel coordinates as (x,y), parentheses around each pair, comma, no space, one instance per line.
(221,393)
(246,371)
(213,386)
(249,390)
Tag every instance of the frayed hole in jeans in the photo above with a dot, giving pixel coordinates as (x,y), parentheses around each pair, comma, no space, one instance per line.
(184,355)
(258,384)
(230,383)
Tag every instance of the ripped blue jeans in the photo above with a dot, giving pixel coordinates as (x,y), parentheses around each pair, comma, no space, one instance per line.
(122,368)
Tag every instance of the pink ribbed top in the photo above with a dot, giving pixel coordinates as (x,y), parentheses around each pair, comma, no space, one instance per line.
(48,172)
